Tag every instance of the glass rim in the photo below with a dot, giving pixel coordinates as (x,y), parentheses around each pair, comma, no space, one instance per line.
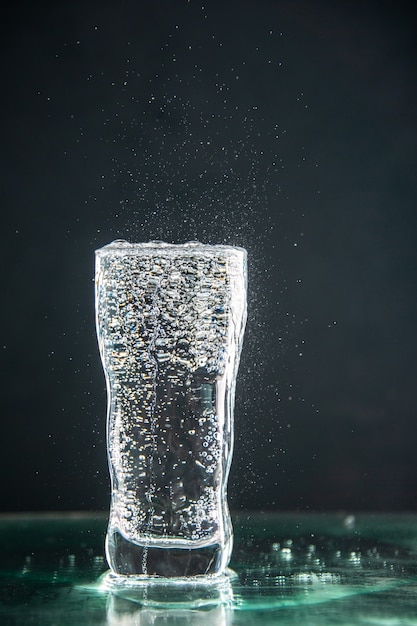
(121,247)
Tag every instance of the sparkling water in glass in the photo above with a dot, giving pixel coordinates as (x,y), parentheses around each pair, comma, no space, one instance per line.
(170,324)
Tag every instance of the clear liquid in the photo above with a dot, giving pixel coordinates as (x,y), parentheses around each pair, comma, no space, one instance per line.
(127,559)
(170,324)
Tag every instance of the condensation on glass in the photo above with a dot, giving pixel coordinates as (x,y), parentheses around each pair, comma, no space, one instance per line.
(170,324)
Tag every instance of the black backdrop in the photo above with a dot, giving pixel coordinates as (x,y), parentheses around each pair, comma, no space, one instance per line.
(287,127)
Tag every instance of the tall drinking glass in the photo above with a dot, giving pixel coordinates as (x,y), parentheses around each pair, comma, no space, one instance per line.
(170,324)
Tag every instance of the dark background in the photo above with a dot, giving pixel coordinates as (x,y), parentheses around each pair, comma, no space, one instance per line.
(287,127)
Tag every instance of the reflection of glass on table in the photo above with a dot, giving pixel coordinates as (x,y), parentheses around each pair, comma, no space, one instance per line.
(173,604)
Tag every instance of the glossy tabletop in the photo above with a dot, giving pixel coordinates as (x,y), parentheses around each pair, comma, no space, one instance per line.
(286,569)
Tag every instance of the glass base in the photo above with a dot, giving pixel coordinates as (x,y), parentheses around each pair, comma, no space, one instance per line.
(129,559)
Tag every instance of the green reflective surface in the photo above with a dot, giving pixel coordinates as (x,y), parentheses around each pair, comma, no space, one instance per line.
(293,569)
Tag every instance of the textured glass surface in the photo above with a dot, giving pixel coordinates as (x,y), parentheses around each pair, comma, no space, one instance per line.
(291,570)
